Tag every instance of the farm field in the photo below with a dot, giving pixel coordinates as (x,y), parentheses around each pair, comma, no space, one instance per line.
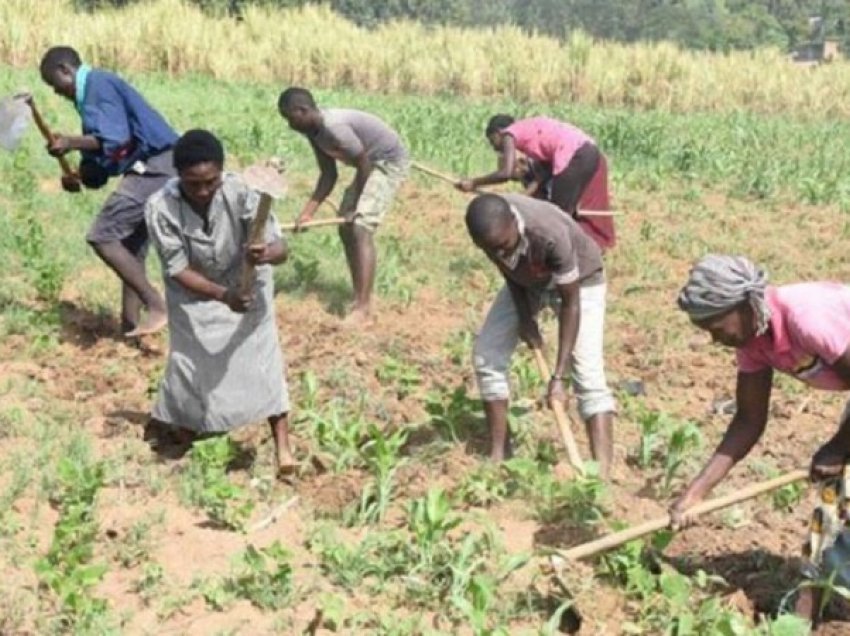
(397,525)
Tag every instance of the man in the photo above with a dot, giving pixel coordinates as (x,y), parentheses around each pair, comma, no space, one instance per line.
(381,164)
(802,330)
(571,168)
(121,136)
(546,260)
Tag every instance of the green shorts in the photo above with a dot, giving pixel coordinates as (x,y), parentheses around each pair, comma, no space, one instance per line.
(378,193)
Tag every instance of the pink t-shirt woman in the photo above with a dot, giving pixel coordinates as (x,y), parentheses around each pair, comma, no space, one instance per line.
(579,171)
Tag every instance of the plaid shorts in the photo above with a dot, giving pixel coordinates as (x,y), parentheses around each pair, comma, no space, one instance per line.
(378,193)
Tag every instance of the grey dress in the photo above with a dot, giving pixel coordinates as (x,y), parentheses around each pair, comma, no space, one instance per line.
(225,369)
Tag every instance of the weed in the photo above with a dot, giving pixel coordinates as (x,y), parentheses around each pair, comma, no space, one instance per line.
(400,375)
(66,569)
(207,485)
(454,415)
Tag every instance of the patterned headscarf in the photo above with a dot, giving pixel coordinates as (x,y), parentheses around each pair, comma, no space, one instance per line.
(719,283)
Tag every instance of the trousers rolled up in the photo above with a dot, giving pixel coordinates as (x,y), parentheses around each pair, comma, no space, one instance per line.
(499,336)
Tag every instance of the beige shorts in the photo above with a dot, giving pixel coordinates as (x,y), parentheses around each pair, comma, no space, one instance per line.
(378,193)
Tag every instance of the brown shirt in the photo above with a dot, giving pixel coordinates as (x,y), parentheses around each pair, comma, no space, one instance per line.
(553,249)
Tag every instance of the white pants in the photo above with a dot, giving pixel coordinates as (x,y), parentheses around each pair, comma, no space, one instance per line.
(500,334)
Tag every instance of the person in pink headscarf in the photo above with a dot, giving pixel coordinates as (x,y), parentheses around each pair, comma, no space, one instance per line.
(579,170)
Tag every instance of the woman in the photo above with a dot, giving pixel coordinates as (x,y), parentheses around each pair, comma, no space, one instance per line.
(802,330)
(579,172)
(225,367)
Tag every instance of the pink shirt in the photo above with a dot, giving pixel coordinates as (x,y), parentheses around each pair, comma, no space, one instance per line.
(548,140)
(809,332)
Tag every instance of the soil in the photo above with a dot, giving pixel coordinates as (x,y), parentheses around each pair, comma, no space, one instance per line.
(102,382)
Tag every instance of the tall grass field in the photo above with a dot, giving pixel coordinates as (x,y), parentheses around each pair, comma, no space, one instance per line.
(316,47)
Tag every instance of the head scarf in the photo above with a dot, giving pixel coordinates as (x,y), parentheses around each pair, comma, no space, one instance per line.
(719,283)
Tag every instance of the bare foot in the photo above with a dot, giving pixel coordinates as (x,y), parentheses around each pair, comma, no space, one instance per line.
(287,465)
(358,317)
(154,321)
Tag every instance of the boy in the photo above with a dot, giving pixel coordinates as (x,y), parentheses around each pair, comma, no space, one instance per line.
(545,259)
(121,136)
(375,151)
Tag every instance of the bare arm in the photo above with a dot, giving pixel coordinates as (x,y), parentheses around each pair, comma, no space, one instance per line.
(363,168)
(568,324)
(199,284)
(830,458)
(62,144)
(747,426)
(528,329)
(202,286)
(271,253)
(505,171)
(324,186)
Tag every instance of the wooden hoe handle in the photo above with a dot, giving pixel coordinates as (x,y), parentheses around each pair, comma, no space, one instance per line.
(290,227)
(48,135)
(450,179)
(617,539)
(561,417)
(256,234)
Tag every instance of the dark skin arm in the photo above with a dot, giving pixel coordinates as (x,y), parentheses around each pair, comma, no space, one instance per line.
(324,186)
(504,173)
(272,253)
(829,460)
(752,396)
(568,324)
(62,144)
(363,169)
(529,332)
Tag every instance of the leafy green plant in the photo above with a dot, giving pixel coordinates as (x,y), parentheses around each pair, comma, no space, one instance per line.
(681,441)
(261,576)
(453,413)
(66,570)
(207,485)
(400,375)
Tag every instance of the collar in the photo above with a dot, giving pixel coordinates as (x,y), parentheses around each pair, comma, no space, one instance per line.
(778,334)
(80,86)
(521,250)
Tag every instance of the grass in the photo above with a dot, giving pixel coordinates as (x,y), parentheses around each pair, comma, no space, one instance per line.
(397,514)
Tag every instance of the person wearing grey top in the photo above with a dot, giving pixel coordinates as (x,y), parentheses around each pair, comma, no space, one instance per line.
(374,150)
(546,260)
(225,368)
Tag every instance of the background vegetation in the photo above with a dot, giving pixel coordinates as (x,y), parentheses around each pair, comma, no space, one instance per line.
(312,45)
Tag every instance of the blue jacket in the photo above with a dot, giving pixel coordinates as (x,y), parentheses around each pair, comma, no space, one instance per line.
(128,128)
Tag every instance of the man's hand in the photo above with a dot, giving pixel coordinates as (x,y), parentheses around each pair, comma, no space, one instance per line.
(828,461)
(257,254)
(237,301)
(58,146)
(465,185)
(530,334)
(304,217)
(71,183)
(679,516)
(556,391)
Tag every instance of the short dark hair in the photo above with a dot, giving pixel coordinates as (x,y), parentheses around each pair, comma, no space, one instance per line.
(486,214)
(498,123)
(295,97)
(57,55)
(197,146)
